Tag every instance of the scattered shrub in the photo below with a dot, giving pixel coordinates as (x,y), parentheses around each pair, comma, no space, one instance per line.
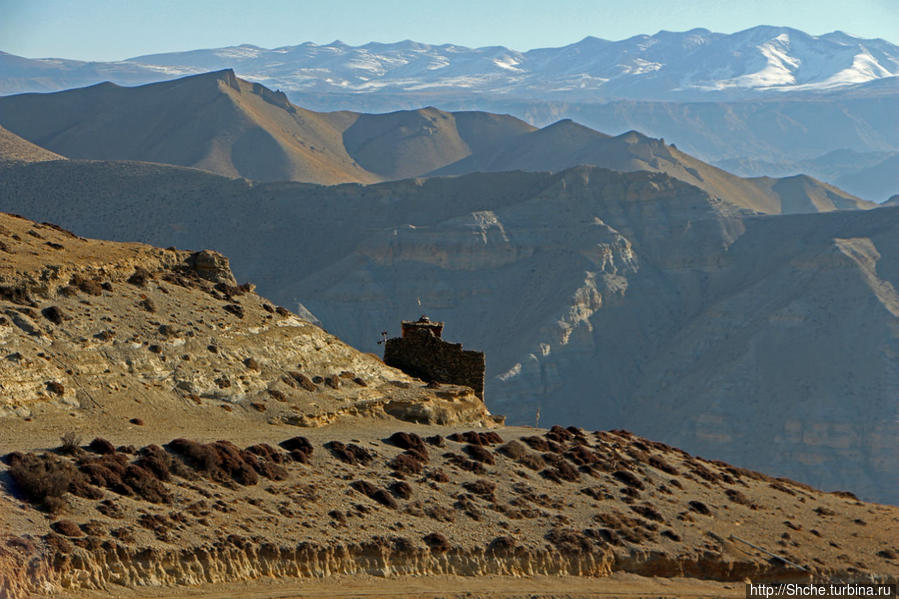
(465,464)
(42,479)
(71,442)
(537,443)
(436,542)
(222,461)
(700,508)
(476,438)
(628,478)
(479,454)
(53,314)
(660,464)
(648,512)
(101,446)
(481,488)
(299,447)
(410,442)
(671,535)
(569,541)
(350,453)
(401,489)
(737,497)
(374,493)
(501,545)
(67,528)
(406,463)
(140,277)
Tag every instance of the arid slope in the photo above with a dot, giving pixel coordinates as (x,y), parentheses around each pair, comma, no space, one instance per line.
(232,127)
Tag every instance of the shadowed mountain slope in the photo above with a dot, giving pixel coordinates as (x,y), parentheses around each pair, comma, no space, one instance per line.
(600,297)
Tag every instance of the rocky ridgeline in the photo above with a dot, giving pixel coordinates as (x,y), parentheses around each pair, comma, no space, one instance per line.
(129,331)
(557,502)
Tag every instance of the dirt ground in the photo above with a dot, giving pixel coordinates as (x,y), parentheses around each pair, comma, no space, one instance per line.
(444,587)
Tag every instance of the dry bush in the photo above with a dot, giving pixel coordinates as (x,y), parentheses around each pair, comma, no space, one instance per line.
(221,461)
(559,434)
(779,486)
(302,380)
(437,475)
(513,449)
(632,530)
(465,464)
(581,456)
(537,443)
(42,479)
(156,460)
(299,447)
(597,493)
(349,453)
(375,493)
(71,442)
(703,472)
(88,286)
(476,438)
(67,528)
(648,512)
(145,485)
(700,508)
(101,446)
(436,542)
(501,546)
(440,513)
(406,463)
(738,497)
(569,541)
(436,441)
(628,479)
(53,314)
(140,277)
(479,454)
(410,442)
(481,488)
(671,535)
(660,464)
(401,489)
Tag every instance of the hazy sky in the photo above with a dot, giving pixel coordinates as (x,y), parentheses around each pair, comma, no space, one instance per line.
(117,29)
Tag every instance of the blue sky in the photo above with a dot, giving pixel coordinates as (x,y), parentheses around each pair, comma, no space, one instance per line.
(117,29)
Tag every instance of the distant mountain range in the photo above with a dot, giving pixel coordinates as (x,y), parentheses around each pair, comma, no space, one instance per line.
(766,98)
(691,65)
(223,124)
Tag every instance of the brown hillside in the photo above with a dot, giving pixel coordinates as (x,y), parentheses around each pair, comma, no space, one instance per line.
(565,144)
(232,127)
(17,150)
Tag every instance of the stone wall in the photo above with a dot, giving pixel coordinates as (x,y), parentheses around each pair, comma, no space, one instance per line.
(422,355)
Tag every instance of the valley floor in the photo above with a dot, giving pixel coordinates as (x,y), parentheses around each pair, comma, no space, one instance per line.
(446,587)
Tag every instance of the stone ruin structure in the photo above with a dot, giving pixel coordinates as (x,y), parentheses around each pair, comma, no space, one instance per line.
(421,352)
